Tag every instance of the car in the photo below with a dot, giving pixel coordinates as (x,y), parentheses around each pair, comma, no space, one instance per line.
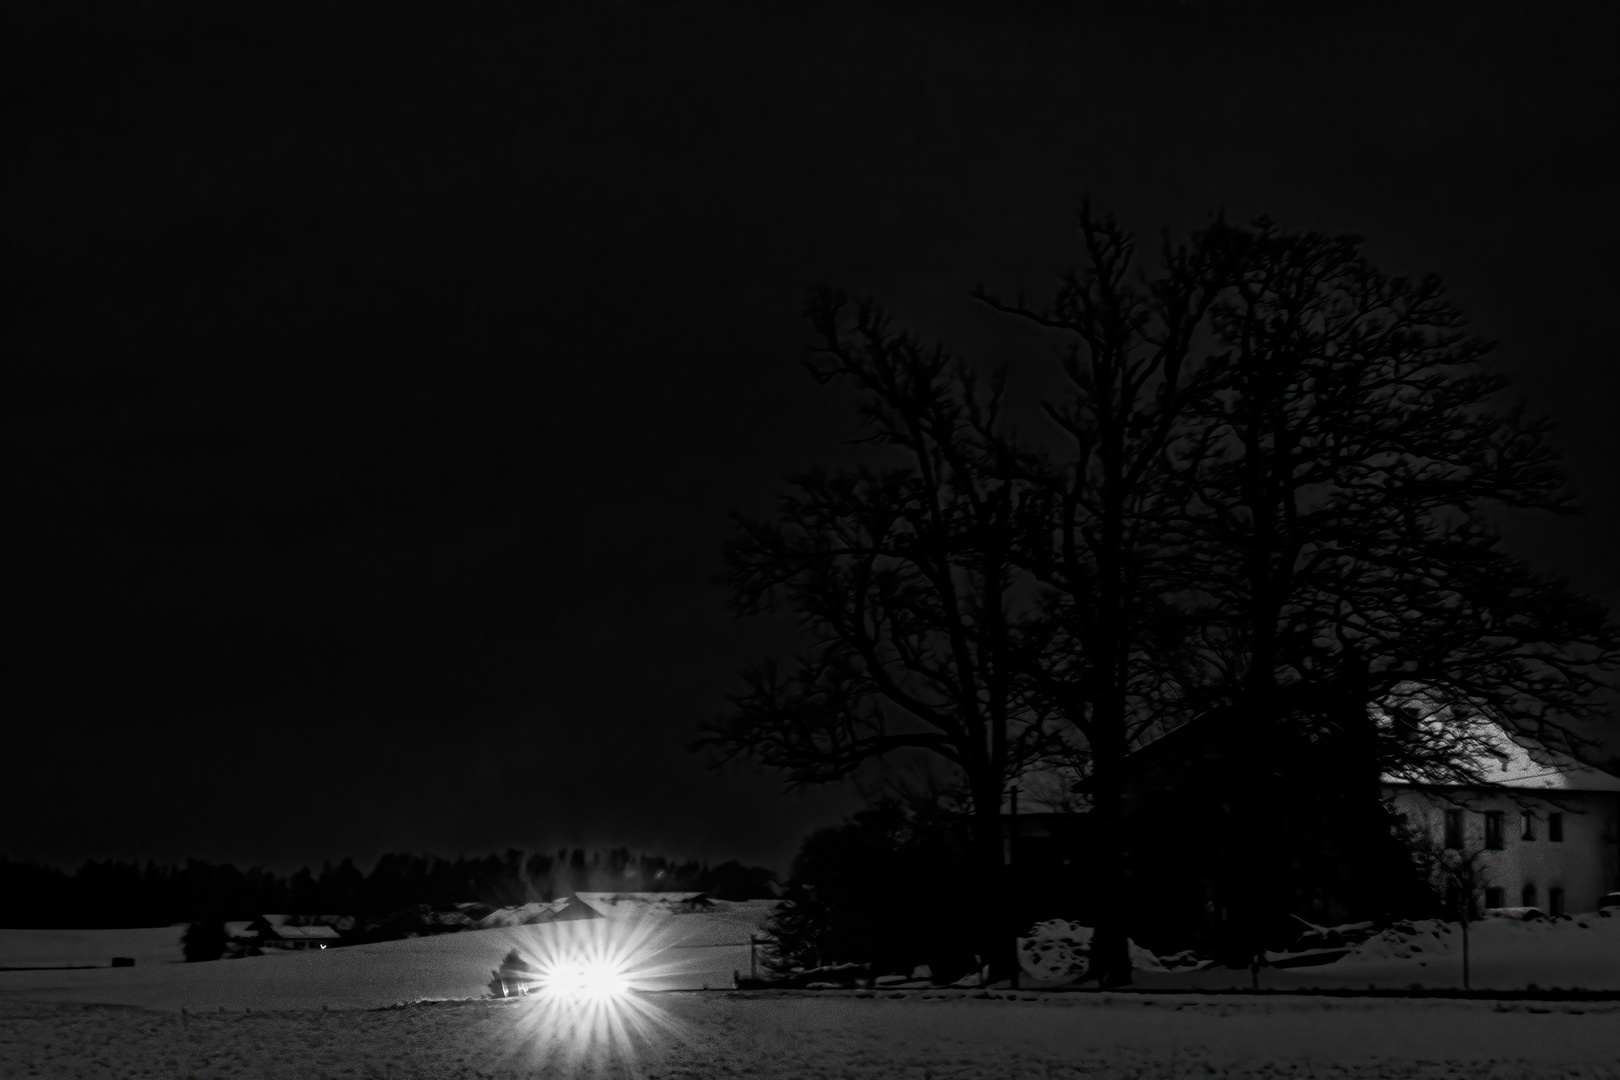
(1609,904)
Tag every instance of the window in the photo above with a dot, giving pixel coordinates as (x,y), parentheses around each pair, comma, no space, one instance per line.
(1528,896)
(1555,827)
(1555,900)
(1493,831)
(1454,829)
(1493,897)
(1528,831)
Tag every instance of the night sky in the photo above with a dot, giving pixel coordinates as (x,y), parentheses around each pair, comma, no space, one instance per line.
(378,377)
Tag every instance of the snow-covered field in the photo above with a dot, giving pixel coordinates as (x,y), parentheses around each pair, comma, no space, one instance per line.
(684,952)
(829,1034)
(67,948)
(1504,954)
(340,1013)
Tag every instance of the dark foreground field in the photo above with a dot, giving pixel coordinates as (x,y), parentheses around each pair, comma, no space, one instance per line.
(939,1036)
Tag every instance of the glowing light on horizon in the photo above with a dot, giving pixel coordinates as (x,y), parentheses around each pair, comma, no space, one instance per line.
(586,1000)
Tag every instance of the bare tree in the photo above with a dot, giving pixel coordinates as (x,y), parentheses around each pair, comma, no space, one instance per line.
(1096,525)
(1460,874)
(1270,501)
(1337,475)
(905,586)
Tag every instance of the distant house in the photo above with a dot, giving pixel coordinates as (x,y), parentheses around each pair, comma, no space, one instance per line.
(620,904)
(296,931)
(565,909)
(1339,855)
(571,908)
(1541,829)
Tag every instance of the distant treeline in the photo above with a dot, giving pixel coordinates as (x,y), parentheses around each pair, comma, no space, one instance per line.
(118,894)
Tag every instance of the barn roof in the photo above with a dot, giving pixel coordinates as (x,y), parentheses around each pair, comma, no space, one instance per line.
(305,933)
(611,903)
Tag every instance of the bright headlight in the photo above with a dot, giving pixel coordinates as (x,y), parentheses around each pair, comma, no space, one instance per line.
(600,981)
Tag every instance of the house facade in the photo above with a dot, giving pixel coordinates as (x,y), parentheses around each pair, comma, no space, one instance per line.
(1341,842)
(1540,830)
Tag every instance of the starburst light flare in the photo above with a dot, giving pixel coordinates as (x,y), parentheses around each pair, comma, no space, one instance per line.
(587,988)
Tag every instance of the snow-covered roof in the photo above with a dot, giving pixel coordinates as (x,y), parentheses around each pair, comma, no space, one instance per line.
(619,903)
(1503,759)
(535,912)
(306,933)
(275,922)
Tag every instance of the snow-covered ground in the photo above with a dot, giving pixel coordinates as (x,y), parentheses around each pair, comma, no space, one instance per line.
(780,1034)
(337,1013)
(676,952)
(67,948)
(1504,954)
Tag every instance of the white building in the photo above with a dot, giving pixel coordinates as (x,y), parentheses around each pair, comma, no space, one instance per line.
(1539,829)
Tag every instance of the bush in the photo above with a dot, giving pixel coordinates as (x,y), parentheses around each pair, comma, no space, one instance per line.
(203,941)
(890,889)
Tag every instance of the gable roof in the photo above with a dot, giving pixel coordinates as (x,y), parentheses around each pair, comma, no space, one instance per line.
(620,903)
(1504,759)
(303,933)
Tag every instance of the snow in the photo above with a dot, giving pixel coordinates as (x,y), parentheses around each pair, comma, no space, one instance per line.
(1505,953)
(689,952)
(1505,759)
(66,948)
(1057,952)
(830,1034)
(330,1013)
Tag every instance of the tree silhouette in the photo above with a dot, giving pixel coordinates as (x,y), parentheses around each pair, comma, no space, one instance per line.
(1095,521)
(848,881)
(1336,474)
(1459,876)
(1271,500)
(203,941)
(905,582)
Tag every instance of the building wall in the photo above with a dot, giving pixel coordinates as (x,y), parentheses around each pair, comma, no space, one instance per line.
(1585,864)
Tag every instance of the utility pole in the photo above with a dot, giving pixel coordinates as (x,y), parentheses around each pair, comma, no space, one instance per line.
(1012,884)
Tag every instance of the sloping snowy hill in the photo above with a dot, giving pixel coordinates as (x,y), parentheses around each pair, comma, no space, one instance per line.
(690,952)
(694,951)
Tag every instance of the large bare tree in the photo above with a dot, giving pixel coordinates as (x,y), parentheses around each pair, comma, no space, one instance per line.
(1341,575)
(1096,519)
(903,580)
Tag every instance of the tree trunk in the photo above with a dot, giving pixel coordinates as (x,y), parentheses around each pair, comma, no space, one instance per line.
(994,933)
(1110,953)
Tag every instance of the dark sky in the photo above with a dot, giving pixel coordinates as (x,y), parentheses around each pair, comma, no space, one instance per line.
(379,377)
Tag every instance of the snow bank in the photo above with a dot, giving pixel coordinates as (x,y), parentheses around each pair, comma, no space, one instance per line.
(1059,951)
(1504,954)
(1403,941)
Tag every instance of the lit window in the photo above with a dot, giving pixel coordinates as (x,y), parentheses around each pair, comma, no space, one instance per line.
(1555,827)
(1493,831)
